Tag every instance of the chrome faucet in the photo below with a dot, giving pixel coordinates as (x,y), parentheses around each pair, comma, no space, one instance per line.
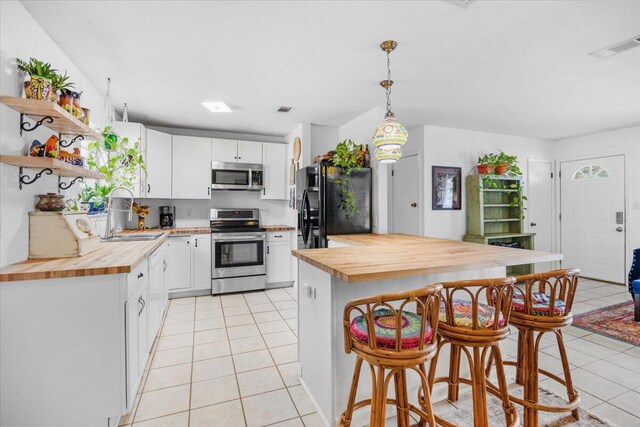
(108,232)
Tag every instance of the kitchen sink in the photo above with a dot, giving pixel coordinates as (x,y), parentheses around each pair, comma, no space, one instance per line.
(133,237)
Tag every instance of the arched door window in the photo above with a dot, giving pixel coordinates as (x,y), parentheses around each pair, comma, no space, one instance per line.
(590,172)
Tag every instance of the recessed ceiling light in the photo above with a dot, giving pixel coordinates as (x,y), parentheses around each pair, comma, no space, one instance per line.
(217,106)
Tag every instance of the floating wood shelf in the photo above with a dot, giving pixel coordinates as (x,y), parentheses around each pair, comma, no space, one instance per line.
(58,167)
(49,114)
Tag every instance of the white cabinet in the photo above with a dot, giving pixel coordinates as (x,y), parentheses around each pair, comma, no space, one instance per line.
(137,341)
(179,263)
(249,152)
(191,167)
(158,163)
(136,134)
(231,151)
(274,171)
(157,290)
(201,255)
(224,150)
(278,257)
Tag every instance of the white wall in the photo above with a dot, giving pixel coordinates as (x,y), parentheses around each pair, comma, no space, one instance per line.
(323,139)
(461,148)
(622,141)
(22,37)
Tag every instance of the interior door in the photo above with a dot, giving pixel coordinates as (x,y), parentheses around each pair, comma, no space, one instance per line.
(593,217)
(406,195)
(539,213)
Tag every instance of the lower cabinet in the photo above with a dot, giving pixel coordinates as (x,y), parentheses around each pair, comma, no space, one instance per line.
(279,257)
(190,266)
(137,340)
(158,291)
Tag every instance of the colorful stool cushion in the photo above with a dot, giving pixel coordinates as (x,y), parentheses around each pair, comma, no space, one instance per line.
(385,329)
(540,304)
(635,287)
(463,314)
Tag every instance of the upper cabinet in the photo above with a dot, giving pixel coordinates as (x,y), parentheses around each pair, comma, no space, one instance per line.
(231,151)
(249,152)
(191,167)
(158,162)
(274,168)
(136,133)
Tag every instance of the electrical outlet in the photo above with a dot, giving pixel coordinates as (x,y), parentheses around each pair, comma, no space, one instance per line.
(188,212)
(11,177)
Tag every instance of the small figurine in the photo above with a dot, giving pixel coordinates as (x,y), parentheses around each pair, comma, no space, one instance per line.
(36,149)
(51,147)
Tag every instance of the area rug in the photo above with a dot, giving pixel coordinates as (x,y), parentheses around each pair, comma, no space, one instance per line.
(615,321)
(463,416)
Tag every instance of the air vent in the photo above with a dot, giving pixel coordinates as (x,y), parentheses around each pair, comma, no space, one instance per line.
(284,109)
(616,48)
(461,3)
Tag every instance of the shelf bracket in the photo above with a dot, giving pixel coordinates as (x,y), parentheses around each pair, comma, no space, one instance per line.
(63,186)
(65,144)
(25,126)
(26,179)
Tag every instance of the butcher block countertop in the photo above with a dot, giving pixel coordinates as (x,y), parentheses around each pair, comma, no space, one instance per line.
(278,227)
(388,256)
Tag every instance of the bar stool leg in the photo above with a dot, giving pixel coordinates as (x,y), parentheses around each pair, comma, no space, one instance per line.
(571,392)
(426,395)
(479,389)
(379,401)
(531,379)
(402,400)
(520,368)
(502,384)
(454,373)
(352,392)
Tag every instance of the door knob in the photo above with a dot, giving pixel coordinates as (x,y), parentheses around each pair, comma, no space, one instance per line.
(414,205)
(533,224)
(619,229)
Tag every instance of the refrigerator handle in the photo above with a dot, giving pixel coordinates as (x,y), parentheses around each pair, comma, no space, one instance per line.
(304,213)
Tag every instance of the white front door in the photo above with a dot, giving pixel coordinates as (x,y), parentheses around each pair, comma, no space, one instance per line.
(593,217)
(539,213)
(406,195)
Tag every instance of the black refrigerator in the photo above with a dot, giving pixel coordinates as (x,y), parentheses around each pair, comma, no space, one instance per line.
(318,199)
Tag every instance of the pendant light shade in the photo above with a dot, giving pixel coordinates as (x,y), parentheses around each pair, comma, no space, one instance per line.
(390,135)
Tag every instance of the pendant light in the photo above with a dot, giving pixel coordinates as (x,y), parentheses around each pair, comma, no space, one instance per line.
(389,136)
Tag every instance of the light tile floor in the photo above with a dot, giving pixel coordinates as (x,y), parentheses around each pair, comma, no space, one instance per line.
(231,360)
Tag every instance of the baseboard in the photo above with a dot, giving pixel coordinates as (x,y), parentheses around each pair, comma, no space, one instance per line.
(189,293)
(315,404)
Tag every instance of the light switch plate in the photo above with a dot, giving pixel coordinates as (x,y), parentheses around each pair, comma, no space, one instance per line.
(11,176)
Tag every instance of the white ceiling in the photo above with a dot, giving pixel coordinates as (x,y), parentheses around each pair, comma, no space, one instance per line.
(512,67)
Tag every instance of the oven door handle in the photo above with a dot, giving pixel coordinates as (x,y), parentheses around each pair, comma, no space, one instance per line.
(229,239)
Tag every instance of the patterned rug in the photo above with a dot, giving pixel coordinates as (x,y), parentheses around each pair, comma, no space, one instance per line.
(615,321)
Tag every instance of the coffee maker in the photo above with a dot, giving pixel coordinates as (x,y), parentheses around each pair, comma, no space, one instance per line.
(167,216)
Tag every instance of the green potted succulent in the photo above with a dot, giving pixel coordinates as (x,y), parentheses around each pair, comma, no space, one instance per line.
(40,85)
(62,84)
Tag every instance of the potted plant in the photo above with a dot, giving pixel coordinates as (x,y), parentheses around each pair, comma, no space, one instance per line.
(62,84)
(41,75)
(349,157)
(486,164)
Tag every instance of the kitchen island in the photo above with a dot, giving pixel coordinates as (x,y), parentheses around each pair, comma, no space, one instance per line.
(356,266)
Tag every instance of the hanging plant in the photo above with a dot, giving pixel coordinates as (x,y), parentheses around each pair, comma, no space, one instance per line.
(118,160)
(350,157)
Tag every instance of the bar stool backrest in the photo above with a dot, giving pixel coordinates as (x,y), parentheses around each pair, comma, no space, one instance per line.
(496,294)
(558,285)
(425,302)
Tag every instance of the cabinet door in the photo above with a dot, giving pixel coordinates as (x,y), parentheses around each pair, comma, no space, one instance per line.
(274,171)
(156,292)
(136,134)
(202,261)
(191,167)
(249,152)
(132,307)
(224,150)
(278,262)
(144,343)
(158,164)
(165,278)
(180,263)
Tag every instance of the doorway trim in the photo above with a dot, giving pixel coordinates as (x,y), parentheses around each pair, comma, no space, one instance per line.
(552,208)
(594,156)
(421,191)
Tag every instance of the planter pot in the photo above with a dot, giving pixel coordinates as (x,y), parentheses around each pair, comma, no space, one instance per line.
(484,169)
(141,221)
(38,88)
(502,168)
(65,100)
(50,202)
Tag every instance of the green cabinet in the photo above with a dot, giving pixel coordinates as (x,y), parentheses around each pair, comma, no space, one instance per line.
(495,214)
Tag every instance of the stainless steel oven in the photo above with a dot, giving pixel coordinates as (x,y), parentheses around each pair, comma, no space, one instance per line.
(236,176)
(238,251)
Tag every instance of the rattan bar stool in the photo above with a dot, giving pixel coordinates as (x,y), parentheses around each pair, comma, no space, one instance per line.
(541,304)
(474,316)
(393,333)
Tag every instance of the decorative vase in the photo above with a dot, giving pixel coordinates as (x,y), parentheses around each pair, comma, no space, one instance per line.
(141,220)
(38,88)
(502,168)
(65,100)
(50,202)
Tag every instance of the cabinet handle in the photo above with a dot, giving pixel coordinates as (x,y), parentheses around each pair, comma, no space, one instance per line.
(263,191)
(164,265)
(196,243)
(148,188)
(267,250)
(140,275)
(140,301)
(208,191)
(278,236)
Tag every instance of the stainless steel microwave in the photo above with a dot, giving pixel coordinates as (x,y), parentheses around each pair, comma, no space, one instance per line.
(236,176)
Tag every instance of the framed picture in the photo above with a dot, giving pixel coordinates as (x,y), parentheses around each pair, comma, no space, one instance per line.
(446,193)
